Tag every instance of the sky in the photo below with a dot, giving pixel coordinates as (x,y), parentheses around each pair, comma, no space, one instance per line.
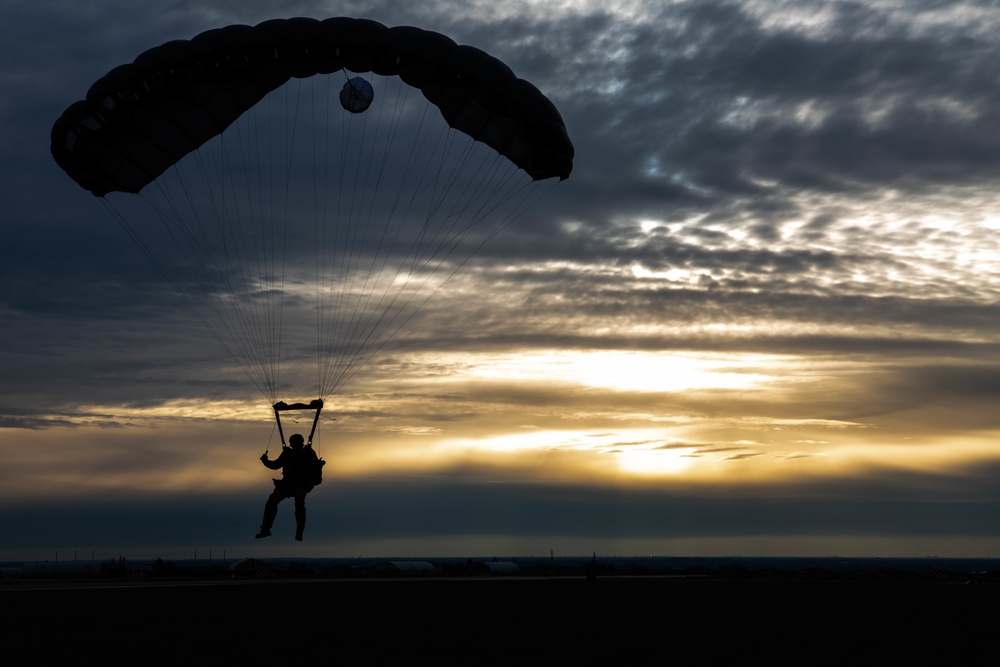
(758,319)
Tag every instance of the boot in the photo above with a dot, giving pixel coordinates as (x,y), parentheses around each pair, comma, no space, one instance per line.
(270,511)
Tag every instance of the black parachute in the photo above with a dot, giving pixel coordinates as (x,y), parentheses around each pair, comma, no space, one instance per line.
(143,117)
(217,134)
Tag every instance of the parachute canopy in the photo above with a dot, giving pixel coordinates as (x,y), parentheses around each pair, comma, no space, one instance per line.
(142,117)
(282,196)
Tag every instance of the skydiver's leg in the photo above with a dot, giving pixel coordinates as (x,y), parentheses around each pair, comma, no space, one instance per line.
(270,512)
(300,514)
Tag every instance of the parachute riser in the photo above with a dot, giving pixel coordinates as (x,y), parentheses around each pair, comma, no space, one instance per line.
(281,406)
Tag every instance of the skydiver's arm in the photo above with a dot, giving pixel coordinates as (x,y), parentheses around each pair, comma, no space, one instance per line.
(276,463)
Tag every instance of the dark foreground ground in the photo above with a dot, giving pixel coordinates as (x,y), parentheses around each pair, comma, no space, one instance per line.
(500,621)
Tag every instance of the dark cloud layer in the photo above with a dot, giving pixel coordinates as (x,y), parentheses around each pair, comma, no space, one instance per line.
(471,502)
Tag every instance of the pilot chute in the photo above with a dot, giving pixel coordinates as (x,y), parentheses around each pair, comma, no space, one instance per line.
(356,95)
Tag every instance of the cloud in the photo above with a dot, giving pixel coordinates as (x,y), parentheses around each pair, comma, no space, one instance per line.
(807,189)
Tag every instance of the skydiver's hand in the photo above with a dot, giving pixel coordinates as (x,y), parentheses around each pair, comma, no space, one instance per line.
(263,457)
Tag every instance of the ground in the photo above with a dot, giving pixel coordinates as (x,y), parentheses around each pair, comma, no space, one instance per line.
(543,621)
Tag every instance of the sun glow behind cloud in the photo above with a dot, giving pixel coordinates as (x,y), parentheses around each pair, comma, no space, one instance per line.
(626,452)
(627,371)
(614,437)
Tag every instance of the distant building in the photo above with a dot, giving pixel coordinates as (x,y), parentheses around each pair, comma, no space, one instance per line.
(251,568)
(496,568)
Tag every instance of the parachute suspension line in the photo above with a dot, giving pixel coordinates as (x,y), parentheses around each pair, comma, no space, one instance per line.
(436,199)
(338,231)
(123,223)
(338,272)
(256,293)
(443,235)
(258,269)
(366,213)
(320,195)
(391,133)
(344,295)
(356,220)
(274,252)
(286,218)
(262,289)
(523,205)
(229,315)
(525,189)
(429,250)
(374,173)
(381,270)
(495,188)
(177,220)
(274,427)
(353,240)
(219,304)
(390,311)
(433,241)
(241,237)
(340,279)
(335,234)
(278,265)
(249,241)
(332,272)
(320,212)
(399,324)
(349,329)
(436,183)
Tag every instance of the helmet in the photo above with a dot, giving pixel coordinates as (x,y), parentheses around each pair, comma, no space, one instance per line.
(296,439)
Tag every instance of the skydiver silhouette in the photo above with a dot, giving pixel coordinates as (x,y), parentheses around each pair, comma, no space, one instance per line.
(301,470)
